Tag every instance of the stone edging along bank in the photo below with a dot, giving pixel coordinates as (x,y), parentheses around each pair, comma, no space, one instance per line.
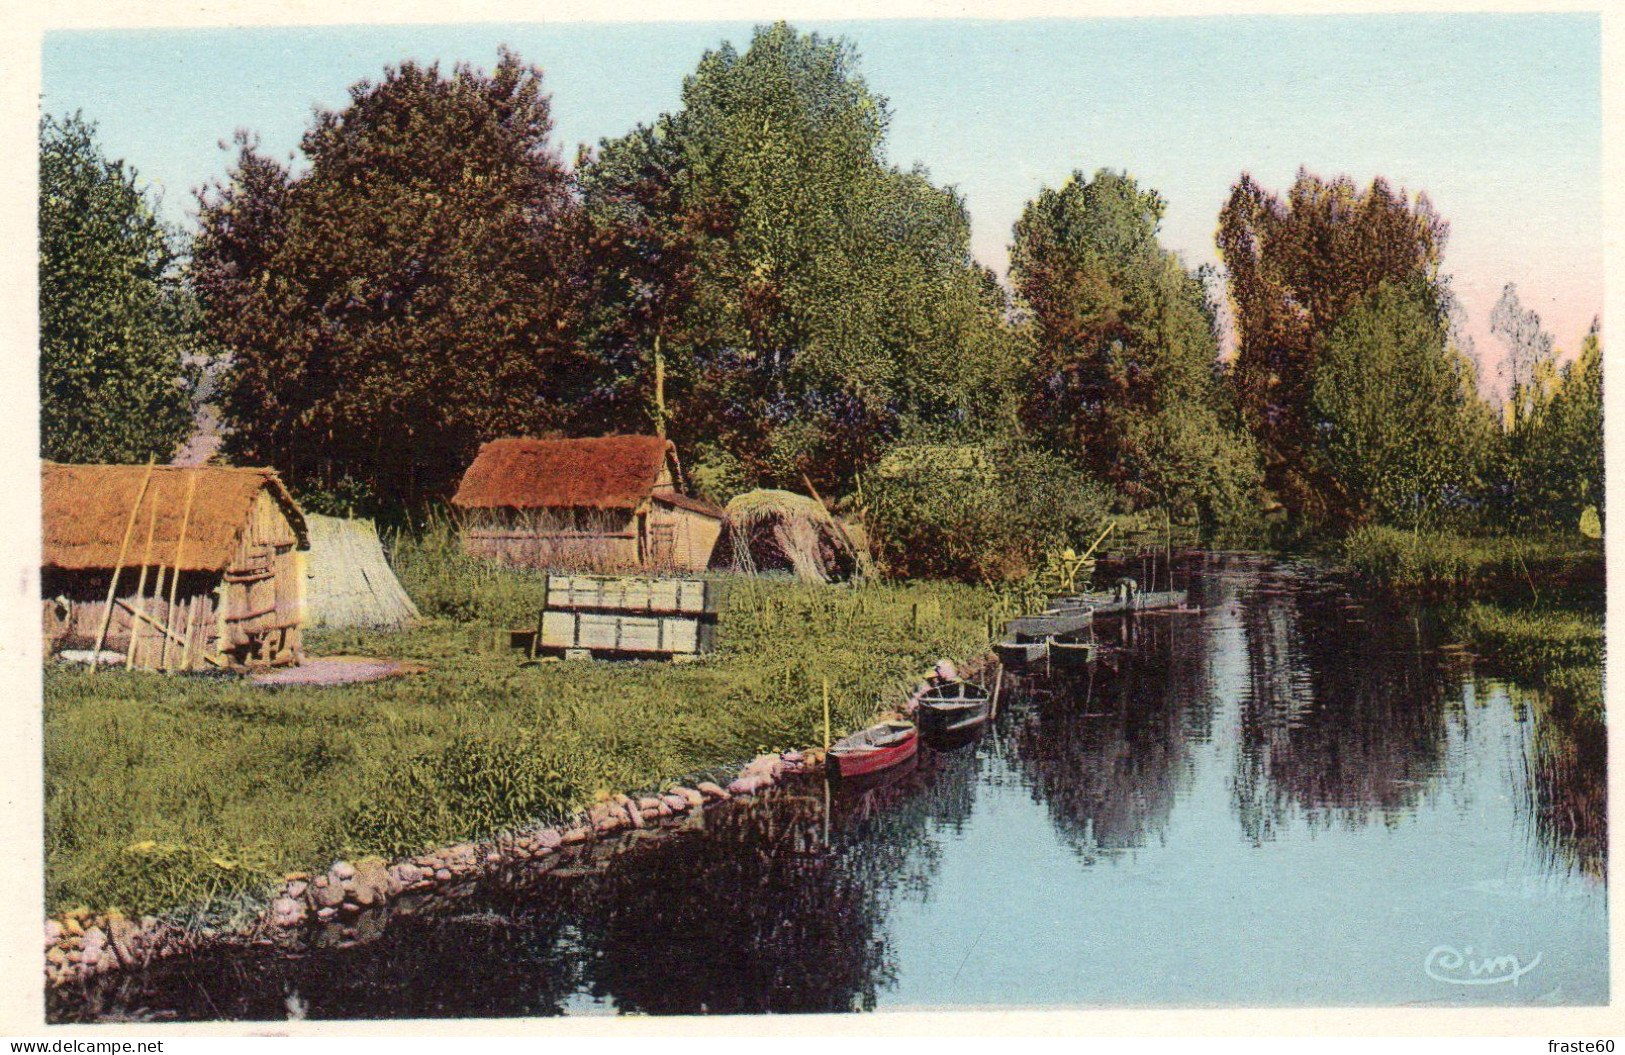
(79,946)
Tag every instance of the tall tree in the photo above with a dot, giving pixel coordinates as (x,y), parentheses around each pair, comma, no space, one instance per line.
(414,291)
(804,296)
(1557,446)
(1124,349)
(1390,409)
(1294,268)
(1530,355)
(118,341)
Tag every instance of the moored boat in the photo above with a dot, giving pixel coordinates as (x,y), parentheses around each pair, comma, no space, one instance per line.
(873,749)
(953,707)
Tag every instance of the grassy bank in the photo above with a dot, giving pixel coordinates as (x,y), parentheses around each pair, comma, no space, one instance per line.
(1533,607)
(170,790)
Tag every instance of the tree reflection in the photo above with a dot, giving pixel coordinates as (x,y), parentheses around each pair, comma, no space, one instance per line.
(1107,750)
(1344,716)
(781,924)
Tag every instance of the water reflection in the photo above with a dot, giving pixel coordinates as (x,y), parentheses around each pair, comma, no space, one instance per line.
(1344,717)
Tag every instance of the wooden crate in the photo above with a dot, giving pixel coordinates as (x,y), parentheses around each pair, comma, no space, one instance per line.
(618,633)
(618,593)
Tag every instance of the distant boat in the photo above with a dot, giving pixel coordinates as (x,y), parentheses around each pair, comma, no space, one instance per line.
(873,749)
(953,707)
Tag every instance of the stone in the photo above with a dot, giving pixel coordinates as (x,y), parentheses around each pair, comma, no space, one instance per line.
(648,802)
(653,813)
(634,815)
(406,873)
(577,834)
(326,913)
(794,757)
(744,785)
(53,932)
(493,857)
(286,912)
(72,925)
(373,883)
(689,795)
(462,853)
(443,874)
(548,837)
(297,888)
(770,764)
(675,803)
(57,956)
(342,870)
(326,894)
(712,791)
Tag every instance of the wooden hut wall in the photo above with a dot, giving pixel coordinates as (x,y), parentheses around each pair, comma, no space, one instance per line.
(681,539)
(584,540)
(264,588)
(76,603)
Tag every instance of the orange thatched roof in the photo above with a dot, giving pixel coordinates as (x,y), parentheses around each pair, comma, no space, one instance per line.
(87,509)
(608,472)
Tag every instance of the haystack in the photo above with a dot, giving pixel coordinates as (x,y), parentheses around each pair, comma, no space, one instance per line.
(780,531)
(351,582)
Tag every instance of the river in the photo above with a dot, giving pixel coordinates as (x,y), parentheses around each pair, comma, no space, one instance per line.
(1291,797)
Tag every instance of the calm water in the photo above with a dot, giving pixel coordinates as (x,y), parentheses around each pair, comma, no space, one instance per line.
(1288,798)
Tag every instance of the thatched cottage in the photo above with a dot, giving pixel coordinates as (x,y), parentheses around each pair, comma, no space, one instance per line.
(173,568)
(610,503)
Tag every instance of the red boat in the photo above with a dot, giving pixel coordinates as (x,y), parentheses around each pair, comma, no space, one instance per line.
(875,748)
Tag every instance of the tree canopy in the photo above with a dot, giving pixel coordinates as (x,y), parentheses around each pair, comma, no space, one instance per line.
(1294,269)
(118,342)
(1389,409)
(413,291)
(1124,350)
(801,295)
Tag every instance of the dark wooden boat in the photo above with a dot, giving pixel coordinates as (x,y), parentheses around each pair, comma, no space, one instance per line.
(1061,648)
(1015,653)
(874,749)
(953,707)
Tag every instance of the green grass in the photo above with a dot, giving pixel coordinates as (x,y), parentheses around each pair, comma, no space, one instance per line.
(166,791)
(1433,561)
(1560,649)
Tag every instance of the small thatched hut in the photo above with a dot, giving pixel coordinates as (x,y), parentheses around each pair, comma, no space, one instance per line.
(606,504)
(351,582)
(205,565)
(780,531)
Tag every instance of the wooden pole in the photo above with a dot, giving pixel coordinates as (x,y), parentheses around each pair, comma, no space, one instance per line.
(180,554)
(112,587)
(660,390)
(141,585)
(826,720)
(191,628)
(998,683)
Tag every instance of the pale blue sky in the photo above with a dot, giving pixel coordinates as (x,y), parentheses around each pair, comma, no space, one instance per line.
(1498,118)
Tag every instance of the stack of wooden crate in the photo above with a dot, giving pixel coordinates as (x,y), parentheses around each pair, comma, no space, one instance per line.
(607,616)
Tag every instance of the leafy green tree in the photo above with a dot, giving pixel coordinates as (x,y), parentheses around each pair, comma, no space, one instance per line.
(1558,449)
(118,340)
(979,512)
(1390,409)
(1123,351)
(1294,268)
(415,291)
(801,297)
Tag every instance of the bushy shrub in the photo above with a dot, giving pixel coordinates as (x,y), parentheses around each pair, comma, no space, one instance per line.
(975,512)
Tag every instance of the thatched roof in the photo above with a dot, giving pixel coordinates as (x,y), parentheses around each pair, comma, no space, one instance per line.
(692,504)
(606,472)
(778,530)
(351,582)
(87,509)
